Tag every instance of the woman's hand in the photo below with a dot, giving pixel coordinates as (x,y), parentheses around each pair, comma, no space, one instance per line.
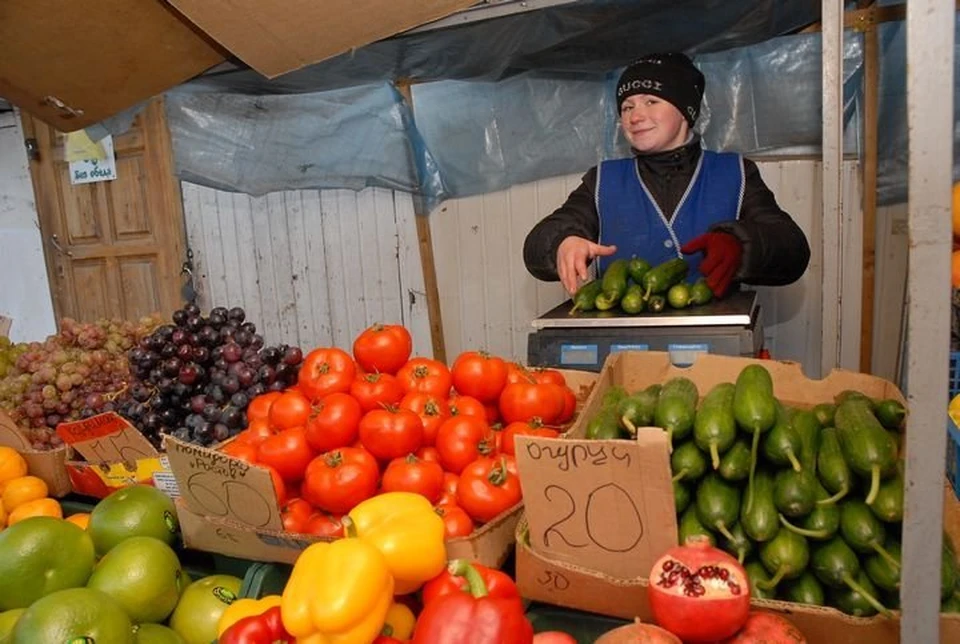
(573,256)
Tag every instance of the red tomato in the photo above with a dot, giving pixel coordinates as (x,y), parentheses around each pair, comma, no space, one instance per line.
(429,454)
(569,406)
(492,413)
(431,410)
(288,452)
(543,376)
(324,525)
(425,376)
(410,474)
(489,487)
(391,433)
(525,401)
(279,487)
(259,407)
(467,406)
(518,373)
(290,409)
(294,514)
(258,431)
(462,440)
(456,522)
(450,481)
(324,371)
(375,390)
(333,422)
(520,428)
(383,348)
(479,375)
(340,479)
(240,450)
(447,498)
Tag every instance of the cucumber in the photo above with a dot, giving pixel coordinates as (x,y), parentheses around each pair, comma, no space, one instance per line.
(795,493)
(760,521)
(888,506)
(951,604)
(613,396)
(603,426)
(700,293)
(681,496)
(718,504)
(855,602)
(690,526)
(785,557)
(614,282)
(891,413)
(755,410)
(866,446)
(656,303)
(862,531)
(637,268)
(677,407)
(832,469)
(586,295)
(837,566)
(632,300)
(883,573)
(807,427)
(805,589)
(688,463)
(848,394)
(735,464)
(715,428)
(821,524)
(781,445)
(679,295)
(637,409)
(604,302)
(740,546)
(824,413)
(948,572)
(757,574)
(661,277)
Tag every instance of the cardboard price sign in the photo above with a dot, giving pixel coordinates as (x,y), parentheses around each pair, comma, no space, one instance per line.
(217,485)
(602,505)
(11,435)
(106,438)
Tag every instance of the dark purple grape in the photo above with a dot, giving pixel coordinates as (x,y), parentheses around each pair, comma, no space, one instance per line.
(192,309)
(231,352)
(151,421)
(188,373)
(283,371)
(204,433)
(216,353)
(185,352)
(194,339)
(107,407)
(218,396)
(171,367)
(194,323)
(165,332)
(179,317)
(211,413)
(293,356)
(168,351)
(254,361)
(219,310)
(180,337)
(201,355)
(270,355)
(231,417)
(137,354)
(209,336)
(220,432)
(226,334)
(139,393)
(256,389)
(194,421)
(231,385)
(278,385)
(257,341)
(182,434)
(165,385)
(87,413)
(249,327)
(181,390)
(156,375)
(216,321)
(236,315)
(245,375)
(53,420)
(267,375)
(243,338)
(169,417)
(197,403)
(221,365)
(239,400)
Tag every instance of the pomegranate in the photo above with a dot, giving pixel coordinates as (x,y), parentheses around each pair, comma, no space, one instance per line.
(638,633)
(767,628)
(698,592)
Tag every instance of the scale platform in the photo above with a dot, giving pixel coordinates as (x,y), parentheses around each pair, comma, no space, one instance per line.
(731,326)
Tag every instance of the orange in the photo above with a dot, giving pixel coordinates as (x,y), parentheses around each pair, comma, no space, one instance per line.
(45,507)
(74,615)
(3,522)
(81,519)
(956,209)
(135,511)
(12,465)
(23,489)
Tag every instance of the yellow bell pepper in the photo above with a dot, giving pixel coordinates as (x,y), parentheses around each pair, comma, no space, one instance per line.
(338,593)
(399,622)
(404,527)
(245,608)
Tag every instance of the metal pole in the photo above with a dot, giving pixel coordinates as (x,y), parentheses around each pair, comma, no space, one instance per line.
(930,35)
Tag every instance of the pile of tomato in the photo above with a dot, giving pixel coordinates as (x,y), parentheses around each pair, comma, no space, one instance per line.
(380,421)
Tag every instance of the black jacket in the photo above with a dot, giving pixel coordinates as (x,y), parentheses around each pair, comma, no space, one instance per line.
(775,250)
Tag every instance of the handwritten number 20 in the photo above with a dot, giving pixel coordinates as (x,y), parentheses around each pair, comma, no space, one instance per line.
(629,527)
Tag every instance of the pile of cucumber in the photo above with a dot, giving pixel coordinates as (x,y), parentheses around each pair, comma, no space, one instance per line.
(809,500)
(635,286)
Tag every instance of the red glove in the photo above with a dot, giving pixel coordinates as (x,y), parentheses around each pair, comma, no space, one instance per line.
(723,254)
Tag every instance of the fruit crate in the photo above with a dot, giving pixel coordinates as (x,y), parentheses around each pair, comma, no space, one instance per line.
(264,579)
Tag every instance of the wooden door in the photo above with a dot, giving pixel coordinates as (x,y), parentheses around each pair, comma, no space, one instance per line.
(113,249)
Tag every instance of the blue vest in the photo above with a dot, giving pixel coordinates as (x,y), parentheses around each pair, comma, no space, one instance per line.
(631,220)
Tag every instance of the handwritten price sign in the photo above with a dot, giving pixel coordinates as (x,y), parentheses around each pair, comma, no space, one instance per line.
(106,438)
(604,505)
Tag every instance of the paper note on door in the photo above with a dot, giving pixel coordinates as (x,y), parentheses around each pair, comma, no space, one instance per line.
(92,170)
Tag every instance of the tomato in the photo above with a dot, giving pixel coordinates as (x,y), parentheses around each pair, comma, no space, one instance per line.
(259,407)
(333,422)
(429,454)
(479,375)
(456,522)
(447,498)
(410,474)
(526,401)
(450,481)
(492,413)
(290,409)
(241,450)
(288,452)
(462,440)
(324,371)
(375,390)
(569,406)
(698,592)
(425,376)
(543,376)
(521,428)
(431,410)
(518,373)
(279,487)
(258,431)
(467,406)
(324,525)
(294,514)
(391,433)
(488,487)
(383,348)
(338,480)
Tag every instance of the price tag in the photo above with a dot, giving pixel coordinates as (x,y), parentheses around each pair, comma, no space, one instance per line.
(603,505)
(217,485)
(11,435)
(106,438)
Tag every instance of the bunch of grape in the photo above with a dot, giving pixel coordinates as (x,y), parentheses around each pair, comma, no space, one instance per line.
(194,378)
(46,383)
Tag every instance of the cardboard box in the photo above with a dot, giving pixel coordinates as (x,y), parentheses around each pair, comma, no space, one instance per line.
(49,465)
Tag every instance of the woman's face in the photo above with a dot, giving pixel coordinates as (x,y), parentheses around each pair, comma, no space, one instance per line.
(652,124)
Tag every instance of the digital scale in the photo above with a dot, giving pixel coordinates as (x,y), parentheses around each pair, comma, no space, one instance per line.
(731,327)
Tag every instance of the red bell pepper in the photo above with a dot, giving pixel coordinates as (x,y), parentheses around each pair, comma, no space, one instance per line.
(472,617)
(386,639)
(499,584)
(266,628)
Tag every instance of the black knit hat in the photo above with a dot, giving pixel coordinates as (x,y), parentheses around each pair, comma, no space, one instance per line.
(670,76)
